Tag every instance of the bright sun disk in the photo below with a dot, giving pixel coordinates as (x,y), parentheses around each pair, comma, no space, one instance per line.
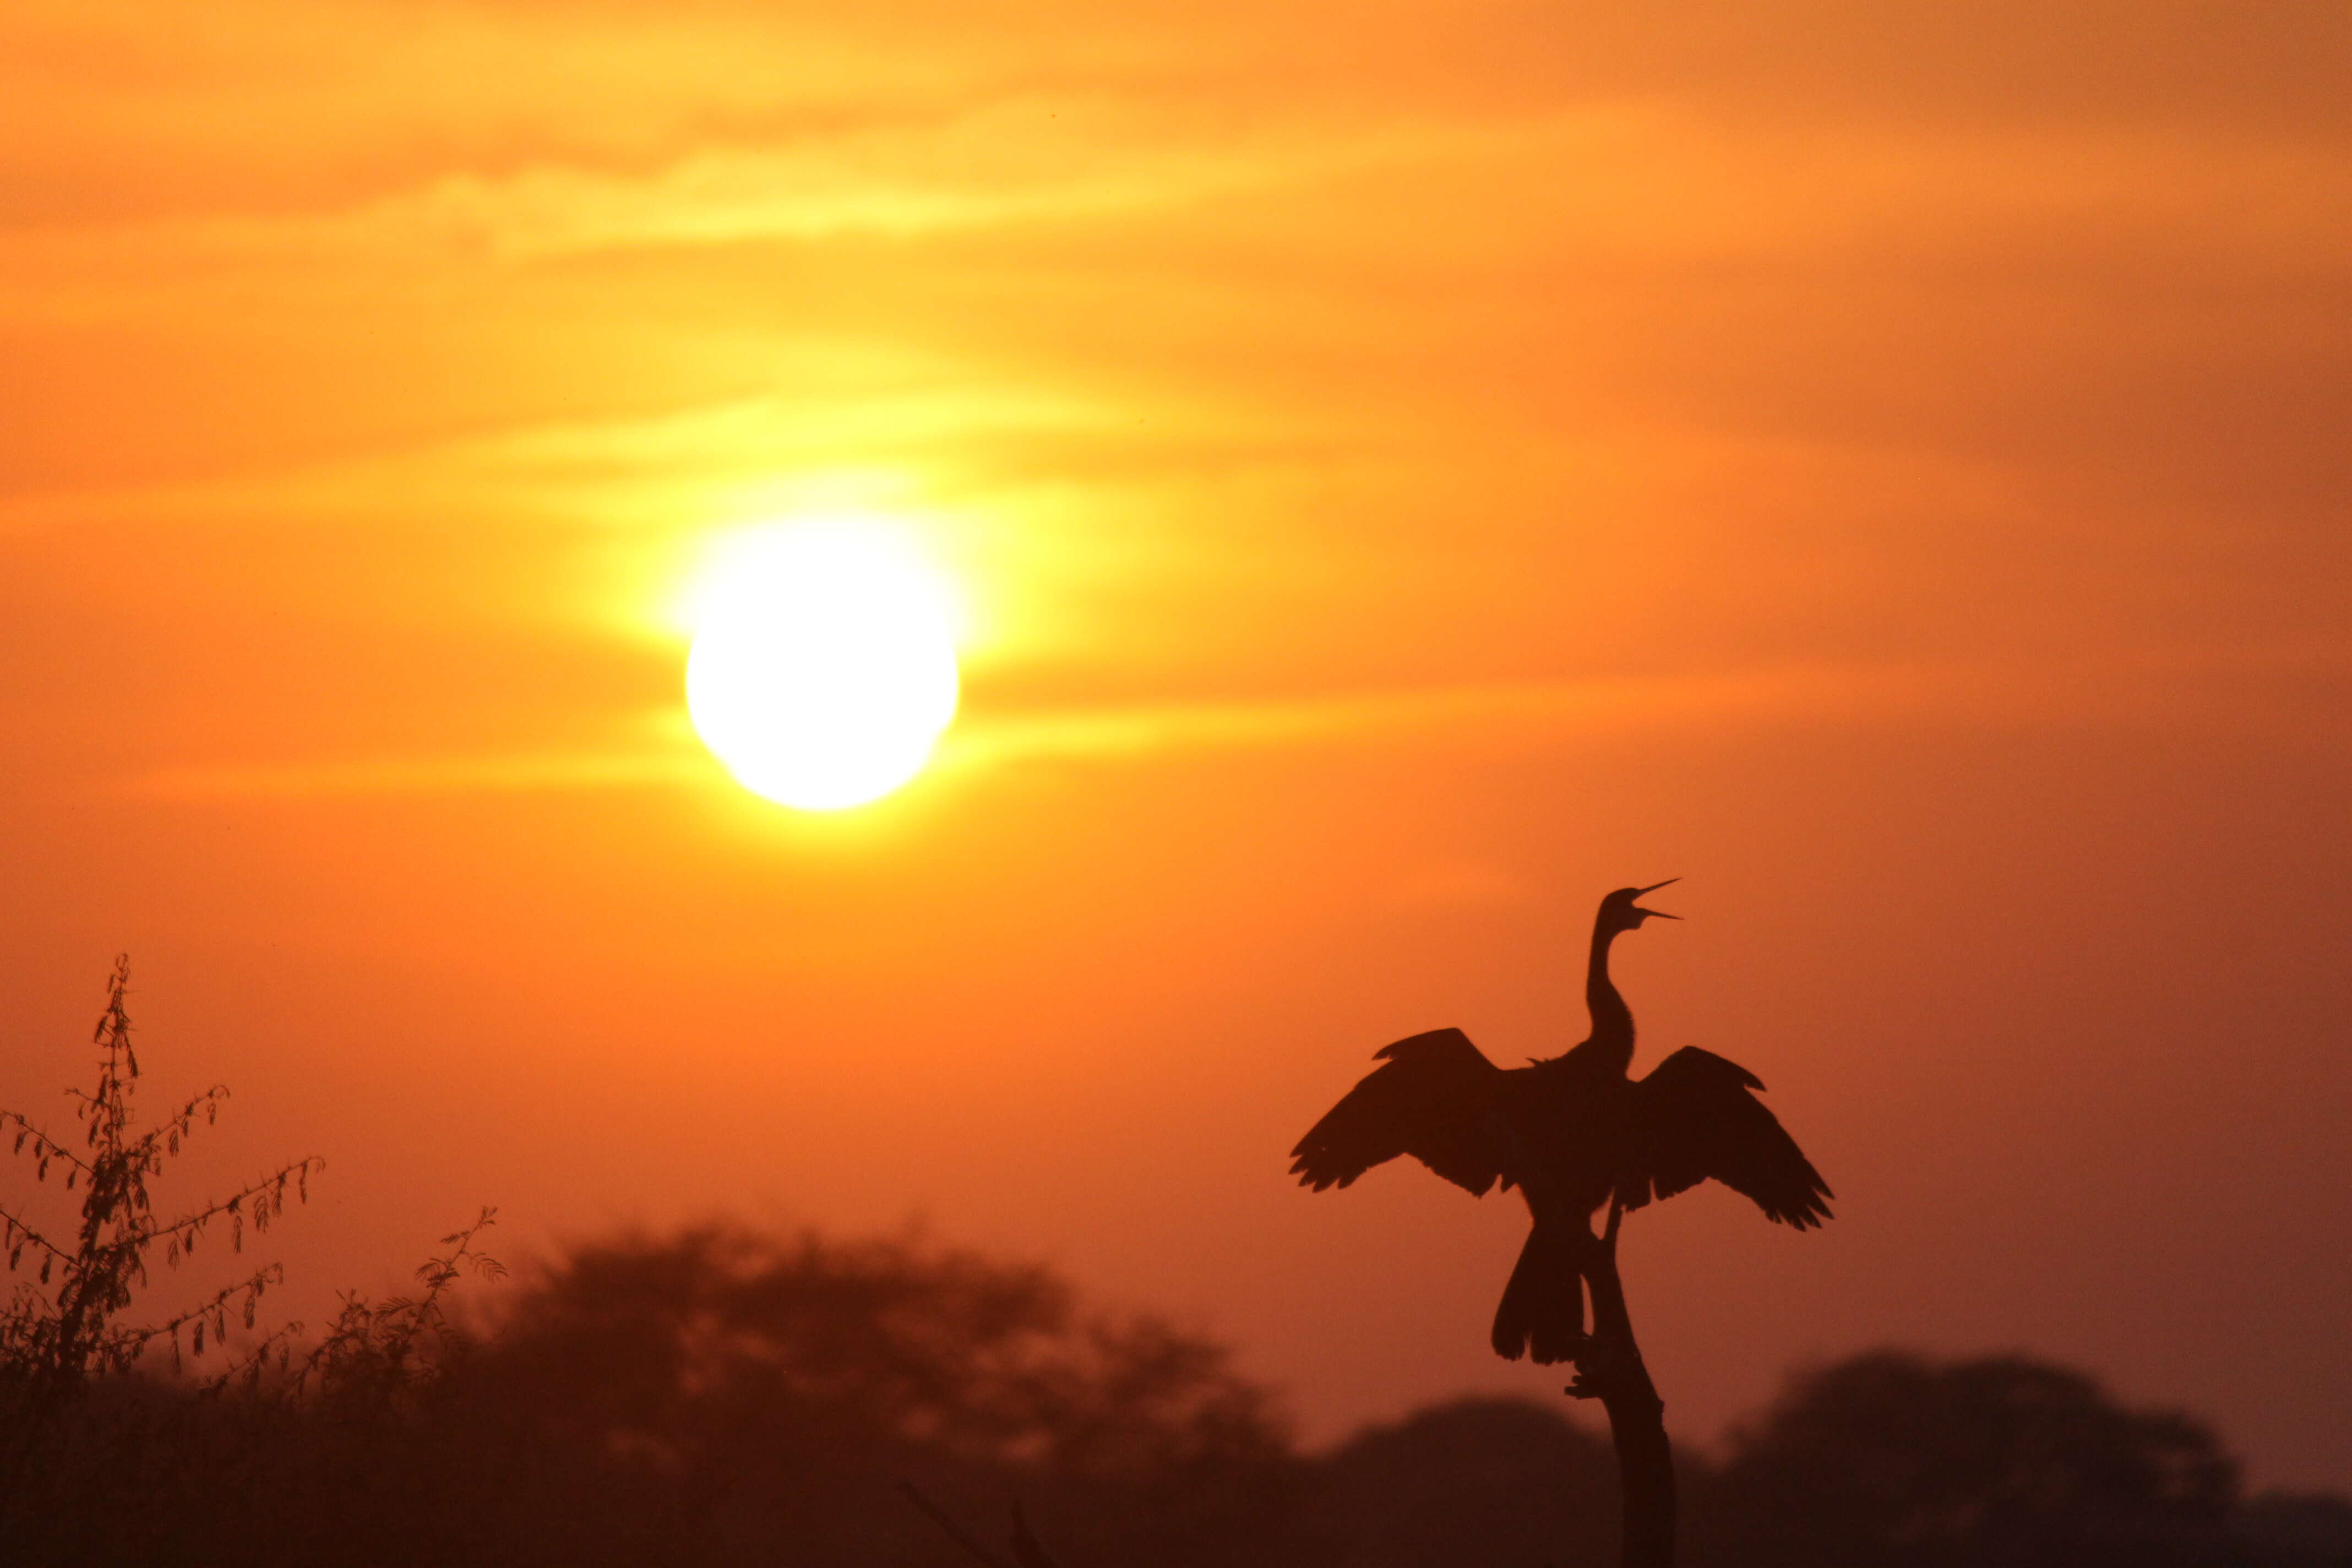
(823,666)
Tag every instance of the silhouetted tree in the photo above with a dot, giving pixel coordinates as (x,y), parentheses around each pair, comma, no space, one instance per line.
(1498,1482)
(1889,1459)
(2286,1529)
(65,1325)
(715,1396)
(739,1394)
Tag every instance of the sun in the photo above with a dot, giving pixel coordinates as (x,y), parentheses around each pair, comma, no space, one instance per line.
(824,664)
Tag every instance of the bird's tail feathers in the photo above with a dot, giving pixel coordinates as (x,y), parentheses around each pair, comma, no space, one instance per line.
(1542,1312)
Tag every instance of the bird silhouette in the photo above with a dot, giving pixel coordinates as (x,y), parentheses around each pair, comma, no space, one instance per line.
(1571,1133)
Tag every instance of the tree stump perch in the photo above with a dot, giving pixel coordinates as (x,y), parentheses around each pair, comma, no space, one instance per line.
(1609,1369)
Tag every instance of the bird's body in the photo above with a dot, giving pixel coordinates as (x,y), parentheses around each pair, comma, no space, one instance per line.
(1571,1133)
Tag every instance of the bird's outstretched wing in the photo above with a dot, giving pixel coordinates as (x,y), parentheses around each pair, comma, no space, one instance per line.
(1434,1100)
(1698,1119)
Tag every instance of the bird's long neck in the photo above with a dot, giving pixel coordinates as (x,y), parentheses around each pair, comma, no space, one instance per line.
(1612,1021)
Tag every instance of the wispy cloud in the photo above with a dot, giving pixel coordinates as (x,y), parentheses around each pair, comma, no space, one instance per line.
(1476,715)
(984,743)
(533,773)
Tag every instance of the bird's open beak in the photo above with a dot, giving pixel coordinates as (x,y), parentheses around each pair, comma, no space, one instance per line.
(1656,914)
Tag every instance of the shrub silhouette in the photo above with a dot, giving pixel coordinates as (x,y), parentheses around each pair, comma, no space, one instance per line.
(1500,1481)
(717,1396)
(2286,1529)
(714,1396)
(65,1323)
(1888,1458)
(66,1331)
(721,1395)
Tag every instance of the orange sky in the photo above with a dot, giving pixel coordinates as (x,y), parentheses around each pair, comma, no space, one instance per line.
(1412,466)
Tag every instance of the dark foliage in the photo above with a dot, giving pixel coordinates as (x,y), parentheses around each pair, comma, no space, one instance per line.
(1891,1459)
(2292,1530)
(721,1397)
(1486,1481)
(713,1397)
(1886,1460)
(78,1275)
(735,1393)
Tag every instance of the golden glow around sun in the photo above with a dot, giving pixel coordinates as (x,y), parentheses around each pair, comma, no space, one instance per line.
(824,664)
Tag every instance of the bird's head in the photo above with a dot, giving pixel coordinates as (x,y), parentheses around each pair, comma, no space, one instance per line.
(1620,912)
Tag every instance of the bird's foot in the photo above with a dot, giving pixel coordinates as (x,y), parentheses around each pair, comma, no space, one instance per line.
(1600,1361)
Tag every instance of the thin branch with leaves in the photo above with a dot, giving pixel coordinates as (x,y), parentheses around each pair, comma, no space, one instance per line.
(52,1341)
(383,1348)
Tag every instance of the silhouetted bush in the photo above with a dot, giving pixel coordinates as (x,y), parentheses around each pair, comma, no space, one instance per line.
(711,1397)
(721,1397)
(1489,1481)
(1891,1459)
(718,1397)
(2290,1530)
(68,1320)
